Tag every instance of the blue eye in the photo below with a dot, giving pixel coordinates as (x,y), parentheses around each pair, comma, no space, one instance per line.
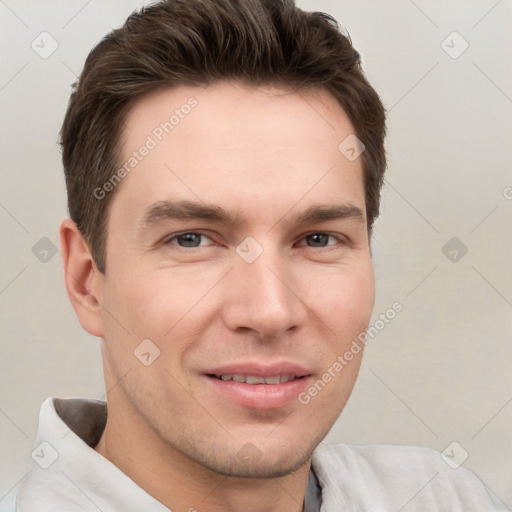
(321,239)
(189,239)
(194,239)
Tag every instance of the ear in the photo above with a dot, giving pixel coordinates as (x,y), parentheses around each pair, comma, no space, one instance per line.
(82,277)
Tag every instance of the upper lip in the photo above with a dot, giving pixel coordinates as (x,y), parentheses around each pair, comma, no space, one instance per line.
(260,369)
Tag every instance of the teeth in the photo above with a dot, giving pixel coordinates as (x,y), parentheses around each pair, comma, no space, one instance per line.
(251,379)
(254,379)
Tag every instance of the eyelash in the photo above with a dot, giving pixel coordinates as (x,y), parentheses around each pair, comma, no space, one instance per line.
(168,240)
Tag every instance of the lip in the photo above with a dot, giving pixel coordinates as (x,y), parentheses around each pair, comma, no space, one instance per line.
(259,396)
(260,369)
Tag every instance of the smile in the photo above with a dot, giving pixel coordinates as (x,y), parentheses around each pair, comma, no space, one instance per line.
(269,392)
(255,379)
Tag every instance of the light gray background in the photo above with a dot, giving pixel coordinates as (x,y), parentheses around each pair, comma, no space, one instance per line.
(440,371)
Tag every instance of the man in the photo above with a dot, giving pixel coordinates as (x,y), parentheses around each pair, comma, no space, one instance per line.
(224,160)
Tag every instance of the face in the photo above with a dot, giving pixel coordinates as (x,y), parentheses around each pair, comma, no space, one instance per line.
(238,271)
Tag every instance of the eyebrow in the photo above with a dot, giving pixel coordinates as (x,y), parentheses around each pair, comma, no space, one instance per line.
(186,210)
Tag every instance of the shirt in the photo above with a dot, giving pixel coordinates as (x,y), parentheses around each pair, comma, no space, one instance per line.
(67,475)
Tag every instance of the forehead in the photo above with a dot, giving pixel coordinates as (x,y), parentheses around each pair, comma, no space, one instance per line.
(238,146)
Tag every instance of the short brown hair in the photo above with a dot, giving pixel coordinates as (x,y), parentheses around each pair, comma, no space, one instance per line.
(195,42)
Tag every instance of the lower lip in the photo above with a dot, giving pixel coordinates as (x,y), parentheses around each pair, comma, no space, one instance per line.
(259,396)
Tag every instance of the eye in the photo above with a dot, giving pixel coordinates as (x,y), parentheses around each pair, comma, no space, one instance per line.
(195,239)
(322,239)
(190,239)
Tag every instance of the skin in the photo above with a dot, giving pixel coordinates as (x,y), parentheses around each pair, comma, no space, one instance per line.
(267,153)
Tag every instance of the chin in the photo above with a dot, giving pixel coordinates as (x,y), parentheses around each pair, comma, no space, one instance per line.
(258,459)
(250,462)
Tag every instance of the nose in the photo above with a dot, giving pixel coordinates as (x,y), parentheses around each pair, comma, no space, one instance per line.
(264,297)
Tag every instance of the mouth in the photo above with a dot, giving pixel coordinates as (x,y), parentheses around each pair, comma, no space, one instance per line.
(259,387)
(257,379)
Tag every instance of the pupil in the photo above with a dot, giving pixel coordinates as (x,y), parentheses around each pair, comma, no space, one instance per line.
(189,239)
(319,237)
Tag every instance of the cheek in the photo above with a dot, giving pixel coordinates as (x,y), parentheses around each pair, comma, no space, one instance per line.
(129,299)
(343,299)
(158,305)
